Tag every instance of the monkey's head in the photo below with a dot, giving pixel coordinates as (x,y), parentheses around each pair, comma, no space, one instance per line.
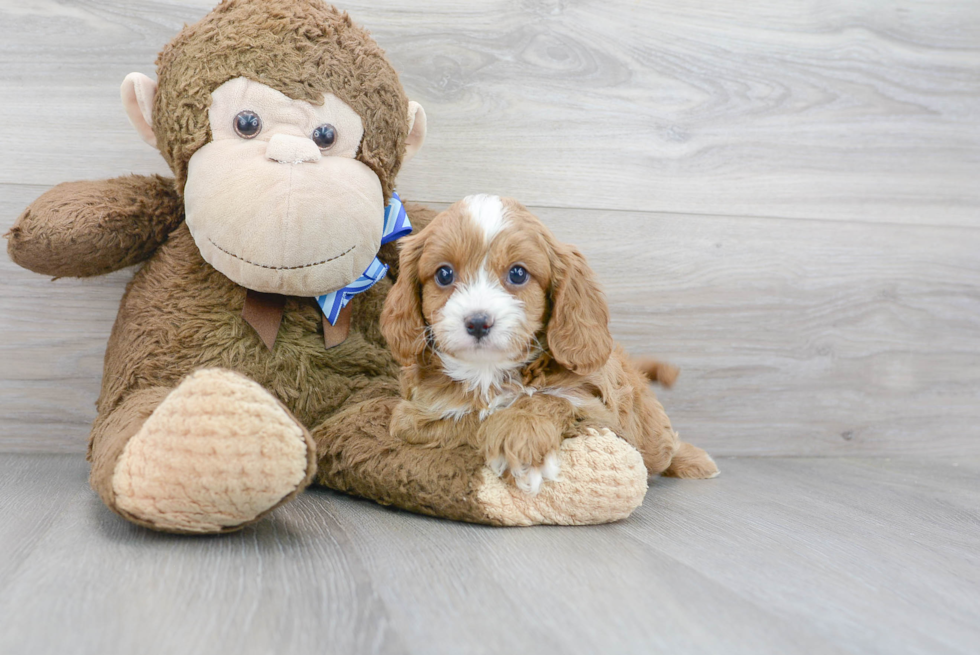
(285,127)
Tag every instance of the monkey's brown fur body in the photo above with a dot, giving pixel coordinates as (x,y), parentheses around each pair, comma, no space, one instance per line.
(201,427)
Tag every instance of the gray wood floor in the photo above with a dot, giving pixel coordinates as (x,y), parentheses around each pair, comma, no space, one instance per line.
(777,555)
(780,197)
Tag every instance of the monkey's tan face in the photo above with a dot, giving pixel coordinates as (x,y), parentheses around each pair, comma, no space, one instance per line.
(277,201)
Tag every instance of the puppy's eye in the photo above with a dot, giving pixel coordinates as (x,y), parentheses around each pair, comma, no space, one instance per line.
(325,136)
(247,124)
(517,275)
(445,276)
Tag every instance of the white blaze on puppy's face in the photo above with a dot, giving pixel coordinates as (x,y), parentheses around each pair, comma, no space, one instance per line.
(487,212)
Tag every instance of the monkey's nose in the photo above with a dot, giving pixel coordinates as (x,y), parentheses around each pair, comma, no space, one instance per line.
(288,149)
(478,325)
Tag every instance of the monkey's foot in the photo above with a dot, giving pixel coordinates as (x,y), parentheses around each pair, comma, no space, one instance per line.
(215,455)
(602,479)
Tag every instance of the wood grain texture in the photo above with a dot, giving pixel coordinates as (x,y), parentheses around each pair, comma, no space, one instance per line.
(110,587)
(794,337)
(774,556)
(798,337)
(838,110)
(34,493)
(859,547)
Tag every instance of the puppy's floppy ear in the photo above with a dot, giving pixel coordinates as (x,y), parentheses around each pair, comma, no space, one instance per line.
(578,331)
(402,323)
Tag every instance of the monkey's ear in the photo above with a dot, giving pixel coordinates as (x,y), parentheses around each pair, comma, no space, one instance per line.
(138,92)
(416,129)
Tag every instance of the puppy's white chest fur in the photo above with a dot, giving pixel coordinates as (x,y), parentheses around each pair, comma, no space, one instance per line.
(481,377)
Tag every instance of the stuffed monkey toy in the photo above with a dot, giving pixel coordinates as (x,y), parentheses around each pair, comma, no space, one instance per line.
(247,360)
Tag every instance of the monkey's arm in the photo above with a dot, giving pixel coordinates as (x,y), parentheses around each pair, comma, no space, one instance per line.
(80,229)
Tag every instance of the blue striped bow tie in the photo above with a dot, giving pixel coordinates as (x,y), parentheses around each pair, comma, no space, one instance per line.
(395,227)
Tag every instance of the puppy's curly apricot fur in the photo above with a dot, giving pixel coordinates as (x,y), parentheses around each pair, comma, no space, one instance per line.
(543,365)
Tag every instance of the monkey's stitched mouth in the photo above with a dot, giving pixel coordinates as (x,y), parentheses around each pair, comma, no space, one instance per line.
(280,268)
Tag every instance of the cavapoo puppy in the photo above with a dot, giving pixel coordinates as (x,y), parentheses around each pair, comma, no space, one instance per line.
(503,336)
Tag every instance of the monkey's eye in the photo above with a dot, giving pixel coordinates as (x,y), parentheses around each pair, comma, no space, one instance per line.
(517,275)
(445,276)
(247,124)
(325,136)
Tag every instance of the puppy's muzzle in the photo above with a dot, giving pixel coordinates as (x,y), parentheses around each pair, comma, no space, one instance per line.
(478,325)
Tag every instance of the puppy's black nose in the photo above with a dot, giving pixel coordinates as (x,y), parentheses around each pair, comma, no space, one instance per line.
(478,325)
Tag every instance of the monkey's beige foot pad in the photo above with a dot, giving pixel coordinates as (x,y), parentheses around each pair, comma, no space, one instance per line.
(215,454)
(602,479)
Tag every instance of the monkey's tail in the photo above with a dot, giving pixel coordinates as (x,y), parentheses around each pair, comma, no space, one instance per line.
(656,371)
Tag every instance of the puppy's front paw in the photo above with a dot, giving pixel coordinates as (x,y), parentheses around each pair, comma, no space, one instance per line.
(527,477)
(523,445)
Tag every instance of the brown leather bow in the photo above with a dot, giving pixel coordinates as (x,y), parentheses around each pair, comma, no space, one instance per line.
(263,311)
